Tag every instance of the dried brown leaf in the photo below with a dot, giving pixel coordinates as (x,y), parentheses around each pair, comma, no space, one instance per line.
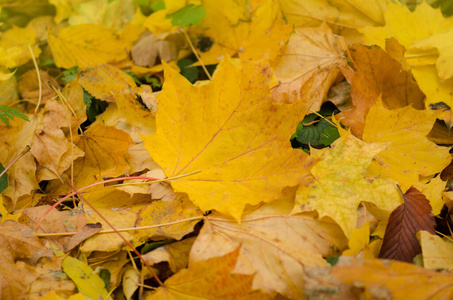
(400,241)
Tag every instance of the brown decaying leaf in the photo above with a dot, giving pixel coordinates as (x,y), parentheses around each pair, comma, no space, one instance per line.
(400,241)
(28,86)
(87,231)
(377,73)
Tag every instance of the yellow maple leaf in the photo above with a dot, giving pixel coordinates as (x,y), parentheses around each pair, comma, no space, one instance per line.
(230,130)
(275,246)
(86,46)
(410,153)
(249,29)
(343,13)
(209,279)
(104,148)
(404,25)
(340,182)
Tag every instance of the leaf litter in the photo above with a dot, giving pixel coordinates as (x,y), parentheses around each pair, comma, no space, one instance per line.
(113,188)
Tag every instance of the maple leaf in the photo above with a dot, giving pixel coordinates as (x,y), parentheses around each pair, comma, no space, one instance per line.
(339,182)
(396,280)
(404,25)
(231,131)
(342,13)
(275,246)
(249,29)
(104,148)
(410,154)
(86,46)
(377,73)
(400,242)
(209,279)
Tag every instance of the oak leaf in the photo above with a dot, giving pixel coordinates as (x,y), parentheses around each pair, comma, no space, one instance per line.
(339,182)
(400,241)
(231,131)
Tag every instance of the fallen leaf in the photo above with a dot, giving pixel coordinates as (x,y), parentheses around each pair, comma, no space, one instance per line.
(89,283)
(275,246)
(14,49)
(377,74)
(342,13)
(104,148)
(86,46)
(84,233)
(437,253)
(400,241)
(104,82)
(339,182)
(209,279)
(28,86)
(160,212)
(410,154)
(224,135)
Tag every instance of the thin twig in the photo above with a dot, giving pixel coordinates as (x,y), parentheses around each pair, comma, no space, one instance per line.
(39,77)
(27,148)
(196,53)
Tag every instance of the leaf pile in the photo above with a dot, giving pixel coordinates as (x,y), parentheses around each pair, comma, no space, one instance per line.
(226,149)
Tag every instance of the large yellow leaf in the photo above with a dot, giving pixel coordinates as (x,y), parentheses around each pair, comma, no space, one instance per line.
(230,130)
(406,26)
(343,13)
(275,246)
(340,182)
(211,279)
(86,46)
(410,154)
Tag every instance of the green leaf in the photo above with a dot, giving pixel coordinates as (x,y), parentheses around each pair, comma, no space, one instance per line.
(106,276)
(329,135)
(188,15)
(158,5)
(332,260)
(69,74)
(3,179)
(190,73)
(94,106)
(7,113)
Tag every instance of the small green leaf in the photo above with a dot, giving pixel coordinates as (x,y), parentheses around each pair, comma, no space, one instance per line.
(329,135)
(106,276)
(69,74)
(190,73)
(7,113)
(3,179)
(188,15)
(332,260)
(158,5)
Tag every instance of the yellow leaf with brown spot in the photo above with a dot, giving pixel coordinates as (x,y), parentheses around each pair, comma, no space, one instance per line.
(86,46)
(410,154)
(231,131)
(437,252)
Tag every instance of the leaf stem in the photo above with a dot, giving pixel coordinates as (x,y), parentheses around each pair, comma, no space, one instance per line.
(117,232)
(39,77)
(27,148)
(196,53)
